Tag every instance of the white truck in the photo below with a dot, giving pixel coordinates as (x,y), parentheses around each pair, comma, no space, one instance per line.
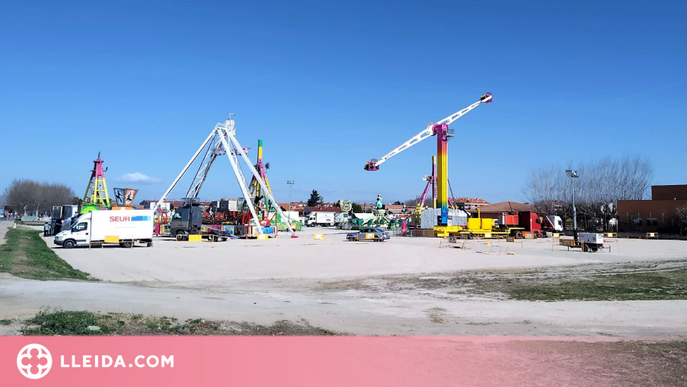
(321,218)
(123,227)
(552,223)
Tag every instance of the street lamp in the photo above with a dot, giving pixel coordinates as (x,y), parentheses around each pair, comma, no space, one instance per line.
(573,175)
(290,183)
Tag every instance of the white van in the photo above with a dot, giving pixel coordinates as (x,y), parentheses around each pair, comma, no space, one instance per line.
(123,227)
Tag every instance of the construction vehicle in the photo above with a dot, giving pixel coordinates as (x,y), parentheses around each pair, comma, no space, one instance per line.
(441,130)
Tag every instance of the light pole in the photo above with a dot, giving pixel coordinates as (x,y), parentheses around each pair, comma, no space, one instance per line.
(572,175)
(290,183)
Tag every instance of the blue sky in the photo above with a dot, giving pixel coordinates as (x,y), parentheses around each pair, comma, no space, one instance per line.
(330,85)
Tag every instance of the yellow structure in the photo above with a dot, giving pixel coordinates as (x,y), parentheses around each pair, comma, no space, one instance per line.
(96,192)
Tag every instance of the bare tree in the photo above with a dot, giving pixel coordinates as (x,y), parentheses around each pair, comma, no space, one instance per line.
(412,203)
(31,197)
(681,215)
(599,186)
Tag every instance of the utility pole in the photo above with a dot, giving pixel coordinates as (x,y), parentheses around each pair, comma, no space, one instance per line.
(290,183)
(572,175)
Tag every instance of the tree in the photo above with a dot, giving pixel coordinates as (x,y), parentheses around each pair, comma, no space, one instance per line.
(597,190)
(315,199)
(412,203)
(397,203)
(681,214)
(356,207)
(27,195)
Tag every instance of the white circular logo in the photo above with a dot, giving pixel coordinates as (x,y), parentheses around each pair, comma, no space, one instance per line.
(34,361)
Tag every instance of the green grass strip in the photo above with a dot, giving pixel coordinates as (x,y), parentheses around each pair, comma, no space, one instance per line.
(26,255)
(664,285)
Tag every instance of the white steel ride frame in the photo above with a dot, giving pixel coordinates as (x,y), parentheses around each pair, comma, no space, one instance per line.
(223,137)
(373,165)
(214,150)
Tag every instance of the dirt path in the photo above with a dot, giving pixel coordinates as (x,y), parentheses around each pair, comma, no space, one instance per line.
(354,311)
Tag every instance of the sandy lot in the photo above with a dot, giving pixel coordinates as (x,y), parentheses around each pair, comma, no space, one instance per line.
(348,286)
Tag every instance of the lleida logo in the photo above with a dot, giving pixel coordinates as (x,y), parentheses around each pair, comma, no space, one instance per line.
(34,361)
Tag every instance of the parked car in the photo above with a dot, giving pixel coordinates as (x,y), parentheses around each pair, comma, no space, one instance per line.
(368,233)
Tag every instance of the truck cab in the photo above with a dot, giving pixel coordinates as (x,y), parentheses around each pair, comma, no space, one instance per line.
(76,235)
(187,219)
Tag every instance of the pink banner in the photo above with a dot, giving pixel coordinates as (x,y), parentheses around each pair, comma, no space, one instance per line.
(263,361)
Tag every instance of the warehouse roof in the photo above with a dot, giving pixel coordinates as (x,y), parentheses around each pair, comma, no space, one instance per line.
(322,209)
(507,207)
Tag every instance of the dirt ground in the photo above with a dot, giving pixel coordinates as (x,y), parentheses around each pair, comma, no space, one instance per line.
(405,286)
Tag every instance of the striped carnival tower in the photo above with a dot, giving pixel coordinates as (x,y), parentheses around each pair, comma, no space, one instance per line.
(96,192)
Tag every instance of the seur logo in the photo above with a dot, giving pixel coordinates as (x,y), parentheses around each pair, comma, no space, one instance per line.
(34,361)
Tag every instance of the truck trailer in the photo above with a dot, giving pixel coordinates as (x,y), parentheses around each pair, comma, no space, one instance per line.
(123,227)
(323,219)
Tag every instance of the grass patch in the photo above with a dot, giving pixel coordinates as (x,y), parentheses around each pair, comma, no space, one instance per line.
(71,323)
(65,323)
(26,255)
(664,285)
(5,322)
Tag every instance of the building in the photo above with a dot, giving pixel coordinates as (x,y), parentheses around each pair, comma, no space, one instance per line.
(394,209)
(469,203)
(294,207)
(657,214)
(307,210)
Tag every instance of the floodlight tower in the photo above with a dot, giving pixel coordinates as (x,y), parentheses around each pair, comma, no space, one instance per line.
(572,175)
(290,183)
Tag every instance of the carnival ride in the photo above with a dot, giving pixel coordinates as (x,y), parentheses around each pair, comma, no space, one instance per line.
(221,139)
(431,185)
(258,197)
(379,217)
(443,133)
(96,196)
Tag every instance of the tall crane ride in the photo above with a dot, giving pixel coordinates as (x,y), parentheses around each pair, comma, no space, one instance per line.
(441,130)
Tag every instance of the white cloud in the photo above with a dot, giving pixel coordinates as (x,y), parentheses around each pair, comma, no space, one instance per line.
(136,177)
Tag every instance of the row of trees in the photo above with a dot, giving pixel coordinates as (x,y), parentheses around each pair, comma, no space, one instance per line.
(30,197)
(597,189)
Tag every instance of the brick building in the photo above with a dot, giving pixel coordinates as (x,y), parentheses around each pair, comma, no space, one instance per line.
(657,214)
